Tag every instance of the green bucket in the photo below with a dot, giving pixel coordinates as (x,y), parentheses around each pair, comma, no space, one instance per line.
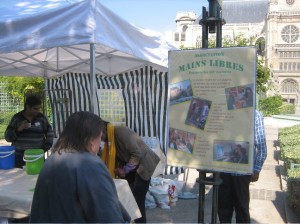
(34,159)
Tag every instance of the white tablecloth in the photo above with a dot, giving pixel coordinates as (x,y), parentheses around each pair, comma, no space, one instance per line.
(16,193)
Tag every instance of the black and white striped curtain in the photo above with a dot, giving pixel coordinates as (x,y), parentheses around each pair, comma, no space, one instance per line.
(145,93)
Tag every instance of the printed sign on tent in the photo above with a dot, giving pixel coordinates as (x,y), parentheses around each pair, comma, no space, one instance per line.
(211,108)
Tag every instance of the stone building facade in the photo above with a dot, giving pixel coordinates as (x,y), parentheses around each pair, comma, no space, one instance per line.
(274,25)
(283,47)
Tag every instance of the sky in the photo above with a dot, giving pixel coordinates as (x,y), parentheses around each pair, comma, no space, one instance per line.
(158,15)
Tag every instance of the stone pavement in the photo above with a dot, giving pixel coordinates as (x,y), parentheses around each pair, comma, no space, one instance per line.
(267,204)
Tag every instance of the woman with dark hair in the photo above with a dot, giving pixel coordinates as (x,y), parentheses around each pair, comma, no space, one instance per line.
(74,185)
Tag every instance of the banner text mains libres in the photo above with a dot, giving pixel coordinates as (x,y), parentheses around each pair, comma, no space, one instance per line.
(211,63)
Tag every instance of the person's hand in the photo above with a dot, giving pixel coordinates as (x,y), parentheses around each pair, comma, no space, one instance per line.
(120,172)
(24,125)
(254,177)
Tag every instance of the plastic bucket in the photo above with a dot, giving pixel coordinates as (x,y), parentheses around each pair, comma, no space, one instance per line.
(34,159)
(7,157)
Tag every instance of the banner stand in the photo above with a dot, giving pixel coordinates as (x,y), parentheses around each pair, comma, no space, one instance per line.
(211,22)
(203,180)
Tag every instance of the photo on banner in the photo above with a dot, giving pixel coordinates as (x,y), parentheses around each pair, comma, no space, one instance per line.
(212,108)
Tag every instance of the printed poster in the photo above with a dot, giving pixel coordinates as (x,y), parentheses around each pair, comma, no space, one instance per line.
(211,108)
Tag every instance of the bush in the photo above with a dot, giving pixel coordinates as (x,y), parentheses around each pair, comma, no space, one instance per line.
(289,130)
(290,154)
(270,106)
(293,187)
(287,108)
(288,140)
(289,143)
(5,118)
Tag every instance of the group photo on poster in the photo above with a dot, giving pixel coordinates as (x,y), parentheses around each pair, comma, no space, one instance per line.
(239,97)
(181,140)
(211,108)
(198,113)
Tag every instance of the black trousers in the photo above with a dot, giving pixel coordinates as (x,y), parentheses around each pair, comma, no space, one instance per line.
(139,188)
(19,162)
(234,196)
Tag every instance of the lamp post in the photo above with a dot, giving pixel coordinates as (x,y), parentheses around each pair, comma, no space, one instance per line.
(212,22)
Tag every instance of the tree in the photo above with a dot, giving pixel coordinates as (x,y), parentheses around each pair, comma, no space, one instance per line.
(262,72)
(17,87)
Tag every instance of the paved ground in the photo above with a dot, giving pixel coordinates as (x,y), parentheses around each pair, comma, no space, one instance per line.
(267,204)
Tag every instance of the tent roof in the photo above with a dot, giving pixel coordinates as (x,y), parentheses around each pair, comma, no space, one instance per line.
(50,37)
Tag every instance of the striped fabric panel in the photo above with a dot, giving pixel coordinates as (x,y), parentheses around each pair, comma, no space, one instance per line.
(145,100)
(169,170)
(145,93)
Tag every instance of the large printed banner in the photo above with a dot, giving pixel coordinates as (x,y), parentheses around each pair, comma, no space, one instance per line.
(211,106)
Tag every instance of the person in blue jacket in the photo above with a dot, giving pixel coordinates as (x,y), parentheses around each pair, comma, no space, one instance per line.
(74,185)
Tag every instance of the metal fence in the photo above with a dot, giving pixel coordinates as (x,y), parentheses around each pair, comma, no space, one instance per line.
(8,107)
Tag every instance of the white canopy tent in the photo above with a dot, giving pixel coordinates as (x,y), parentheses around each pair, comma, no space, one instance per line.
(50,37)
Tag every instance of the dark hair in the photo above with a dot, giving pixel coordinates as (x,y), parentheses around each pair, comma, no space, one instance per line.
(32,100)
(246,92)
(80,128)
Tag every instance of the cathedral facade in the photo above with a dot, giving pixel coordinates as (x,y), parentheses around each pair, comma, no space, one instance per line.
(273,24)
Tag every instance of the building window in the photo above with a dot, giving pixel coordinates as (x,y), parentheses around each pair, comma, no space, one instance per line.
(289,66)
(290,34)
(182,36)
(289,54)
(184,28)
(198,42)
(289,86)
(176,37)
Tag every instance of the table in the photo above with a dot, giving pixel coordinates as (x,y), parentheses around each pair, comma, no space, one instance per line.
(16,193)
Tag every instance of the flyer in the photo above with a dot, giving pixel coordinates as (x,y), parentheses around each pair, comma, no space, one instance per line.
(211,109)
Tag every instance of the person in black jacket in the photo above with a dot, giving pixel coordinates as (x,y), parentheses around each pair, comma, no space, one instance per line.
(29,129)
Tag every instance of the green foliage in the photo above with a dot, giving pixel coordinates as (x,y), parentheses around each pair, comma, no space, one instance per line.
(290,153)
(289,130)
(289,144)
(239,41)
(5,118)
(211,42)
(18,86)
(293,189)
(287,108)
(263,73)
(270,105)
(262,77)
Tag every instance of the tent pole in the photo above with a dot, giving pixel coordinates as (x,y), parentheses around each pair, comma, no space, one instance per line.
(92,76)
(45,106)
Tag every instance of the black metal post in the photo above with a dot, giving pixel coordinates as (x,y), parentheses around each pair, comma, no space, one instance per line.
(211,23)
(204,29)
(202,176)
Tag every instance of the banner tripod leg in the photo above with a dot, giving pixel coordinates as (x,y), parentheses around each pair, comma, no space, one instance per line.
(215,181)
